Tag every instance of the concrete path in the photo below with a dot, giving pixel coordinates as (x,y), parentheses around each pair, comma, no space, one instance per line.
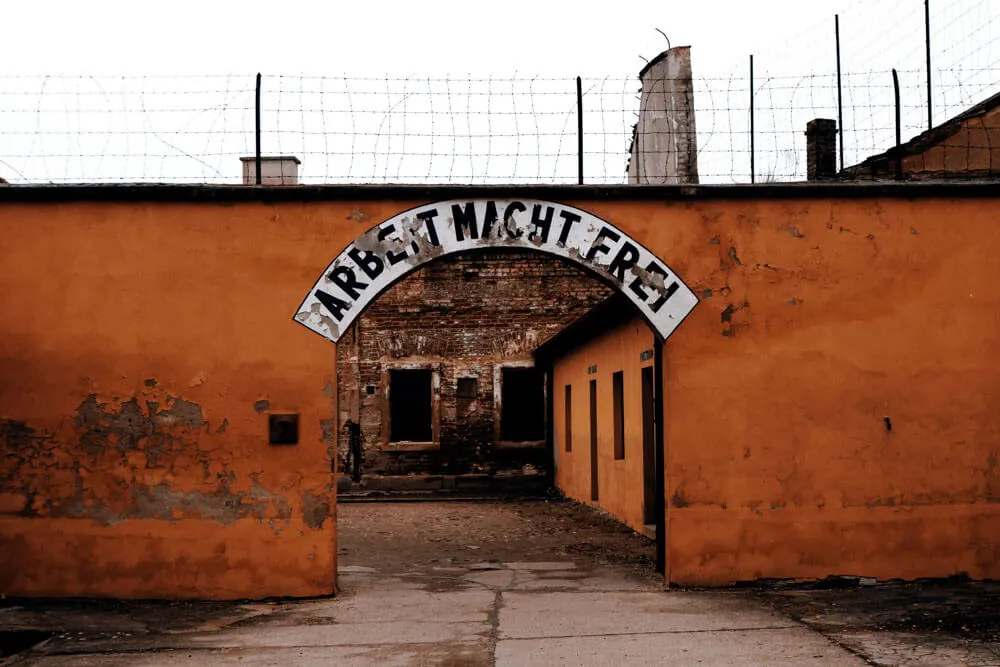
(520,584)
(516,613)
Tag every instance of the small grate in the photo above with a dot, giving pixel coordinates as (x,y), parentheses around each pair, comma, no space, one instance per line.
(468,387)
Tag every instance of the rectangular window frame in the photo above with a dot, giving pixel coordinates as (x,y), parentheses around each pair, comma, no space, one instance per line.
(411,446)
(498,407)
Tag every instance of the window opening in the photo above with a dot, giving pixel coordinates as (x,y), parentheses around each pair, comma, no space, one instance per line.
(410,406)
(522,412)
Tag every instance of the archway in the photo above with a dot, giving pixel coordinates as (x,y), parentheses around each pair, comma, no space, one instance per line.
(389,251)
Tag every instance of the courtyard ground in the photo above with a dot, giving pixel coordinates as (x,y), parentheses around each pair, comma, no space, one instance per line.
(516,583)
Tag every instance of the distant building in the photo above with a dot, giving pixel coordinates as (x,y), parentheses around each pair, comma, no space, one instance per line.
(964,147)
(438,372)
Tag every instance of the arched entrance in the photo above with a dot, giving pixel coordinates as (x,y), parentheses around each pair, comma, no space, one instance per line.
(389,251)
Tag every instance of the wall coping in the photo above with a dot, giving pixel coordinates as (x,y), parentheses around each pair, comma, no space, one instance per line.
(184,193)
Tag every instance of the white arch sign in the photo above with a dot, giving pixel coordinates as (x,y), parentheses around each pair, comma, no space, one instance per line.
(390,250)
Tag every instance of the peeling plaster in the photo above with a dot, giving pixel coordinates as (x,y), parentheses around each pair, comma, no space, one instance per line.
(139,458)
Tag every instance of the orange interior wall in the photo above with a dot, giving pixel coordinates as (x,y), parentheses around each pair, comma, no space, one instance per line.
(142,348)
(139,341)
(620,481)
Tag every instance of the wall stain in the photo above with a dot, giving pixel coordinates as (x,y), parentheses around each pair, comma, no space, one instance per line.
(729,326)
(794,231)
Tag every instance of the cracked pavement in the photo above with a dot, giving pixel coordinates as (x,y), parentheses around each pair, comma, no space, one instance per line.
(529,583)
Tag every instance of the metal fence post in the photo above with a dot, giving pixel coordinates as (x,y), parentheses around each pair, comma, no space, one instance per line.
(895,86)
(753,178)
(899,129)
(257,131)
(579,130)
(840,92)
(927,34)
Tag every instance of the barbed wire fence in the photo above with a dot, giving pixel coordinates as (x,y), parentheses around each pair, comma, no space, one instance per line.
(486,130)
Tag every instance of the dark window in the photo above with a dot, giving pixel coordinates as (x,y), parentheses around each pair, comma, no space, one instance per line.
(468,387)
(410,406)
(522,412)
(568,428)
(618,386)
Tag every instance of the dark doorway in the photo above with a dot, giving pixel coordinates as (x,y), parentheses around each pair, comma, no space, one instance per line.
(410,407)
(568,426)
(593,440)
(648,448)
(618,391)
(522,408)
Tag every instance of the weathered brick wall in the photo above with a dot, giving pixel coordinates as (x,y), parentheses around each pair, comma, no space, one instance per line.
(465,314)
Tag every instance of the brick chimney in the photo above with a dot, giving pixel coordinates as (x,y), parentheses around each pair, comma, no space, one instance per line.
(664,142)
(274,170)
(821,149)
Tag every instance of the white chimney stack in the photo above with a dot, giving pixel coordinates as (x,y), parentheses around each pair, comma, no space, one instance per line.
(664,142)
(274,170)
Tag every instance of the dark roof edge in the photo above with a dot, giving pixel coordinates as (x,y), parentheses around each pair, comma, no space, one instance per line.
(603,317)
(319,193)
(659,58)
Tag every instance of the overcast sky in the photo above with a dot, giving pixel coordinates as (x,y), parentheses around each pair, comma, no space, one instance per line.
(390,123)
(555,37)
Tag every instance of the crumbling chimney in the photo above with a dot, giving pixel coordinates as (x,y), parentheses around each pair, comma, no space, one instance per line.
(274,170)
(821,149)
(664,142)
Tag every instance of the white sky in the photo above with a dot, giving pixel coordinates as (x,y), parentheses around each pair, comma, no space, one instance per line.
(433,37)
(187,127)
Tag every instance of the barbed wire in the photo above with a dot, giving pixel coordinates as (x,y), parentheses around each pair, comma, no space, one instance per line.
(483,129)
(433,130)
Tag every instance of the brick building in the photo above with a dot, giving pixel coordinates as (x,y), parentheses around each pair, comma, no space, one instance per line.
(428,369)
(965,147)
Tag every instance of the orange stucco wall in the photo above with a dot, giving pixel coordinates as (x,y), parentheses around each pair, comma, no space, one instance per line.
(620,482)
(139,340)
(142,347)
(821,319)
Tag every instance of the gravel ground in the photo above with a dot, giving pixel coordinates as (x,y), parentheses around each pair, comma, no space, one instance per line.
(403,536)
